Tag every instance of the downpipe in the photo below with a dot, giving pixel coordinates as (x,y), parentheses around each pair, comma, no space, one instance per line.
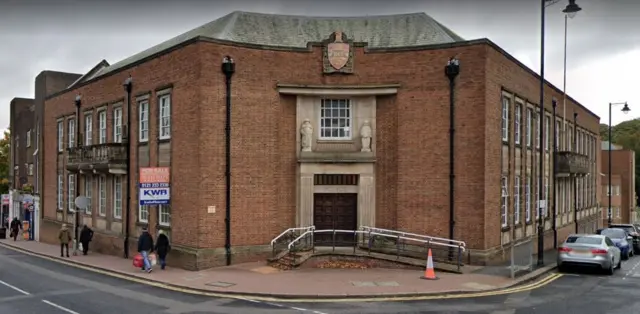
(228,69)
(451,70)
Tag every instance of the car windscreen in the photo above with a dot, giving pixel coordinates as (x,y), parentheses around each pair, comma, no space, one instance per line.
(614,233)
(584,240)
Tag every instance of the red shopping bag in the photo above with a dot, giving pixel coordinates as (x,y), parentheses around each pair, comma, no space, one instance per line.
(138,261)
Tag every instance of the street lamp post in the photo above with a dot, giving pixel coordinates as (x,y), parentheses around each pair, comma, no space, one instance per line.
(575,178)
(569,13)
(228,69)
(128,85)
(78,144)
(572,8)
(625,110)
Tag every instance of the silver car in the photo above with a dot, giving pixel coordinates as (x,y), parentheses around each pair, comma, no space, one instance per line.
(591,250)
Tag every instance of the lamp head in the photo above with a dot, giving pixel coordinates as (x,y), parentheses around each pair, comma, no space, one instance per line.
(625,109)
(571,9)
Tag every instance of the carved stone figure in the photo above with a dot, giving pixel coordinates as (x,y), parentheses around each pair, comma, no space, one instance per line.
(306,132)
(365,136)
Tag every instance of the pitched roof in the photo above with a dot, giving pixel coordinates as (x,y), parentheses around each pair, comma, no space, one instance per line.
(291,31)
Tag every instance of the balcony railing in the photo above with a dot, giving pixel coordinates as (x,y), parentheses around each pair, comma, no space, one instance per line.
(571,163)
(96,156)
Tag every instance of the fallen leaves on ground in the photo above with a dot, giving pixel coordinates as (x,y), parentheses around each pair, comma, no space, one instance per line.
(343,265)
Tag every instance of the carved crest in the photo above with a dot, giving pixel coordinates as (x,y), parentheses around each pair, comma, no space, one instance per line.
(338,54)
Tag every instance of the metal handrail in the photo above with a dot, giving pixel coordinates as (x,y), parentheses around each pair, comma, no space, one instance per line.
(290,230)
(402,234)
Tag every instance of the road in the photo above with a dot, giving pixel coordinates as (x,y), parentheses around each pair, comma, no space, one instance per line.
(29,284)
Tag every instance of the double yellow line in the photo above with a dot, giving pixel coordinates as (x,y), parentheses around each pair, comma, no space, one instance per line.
(454,295)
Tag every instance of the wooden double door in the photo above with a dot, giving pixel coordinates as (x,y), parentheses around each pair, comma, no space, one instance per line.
(337,211)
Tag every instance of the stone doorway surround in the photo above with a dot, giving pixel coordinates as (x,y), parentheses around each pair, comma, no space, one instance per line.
(340,157)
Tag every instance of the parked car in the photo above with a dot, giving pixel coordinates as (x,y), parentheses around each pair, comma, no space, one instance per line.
(589,250)
(633,231)
(621,239)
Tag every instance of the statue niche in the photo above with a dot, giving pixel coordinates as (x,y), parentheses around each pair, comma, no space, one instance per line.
(365,136)
(306,133)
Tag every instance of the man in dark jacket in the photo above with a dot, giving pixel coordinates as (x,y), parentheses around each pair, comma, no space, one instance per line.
(162,248)
(145,246)
(15,228)
(85,237)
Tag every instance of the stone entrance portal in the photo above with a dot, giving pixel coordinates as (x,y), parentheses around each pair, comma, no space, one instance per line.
(335,211)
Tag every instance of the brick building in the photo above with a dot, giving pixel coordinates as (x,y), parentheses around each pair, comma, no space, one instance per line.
(623,179)
(22,142)
(338,122)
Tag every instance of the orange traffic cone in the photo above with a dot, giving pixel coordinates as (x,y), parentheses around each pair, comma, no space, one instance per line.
(429,272)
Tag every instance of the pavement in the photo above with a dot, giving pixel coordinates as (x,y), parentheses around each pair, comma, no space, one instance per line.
(308,285)
(31,283)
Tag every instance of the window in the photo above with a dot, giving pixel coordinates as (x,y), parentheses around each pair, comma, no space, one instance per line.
(517,122)
(143,213)
(537,200)
(546,197)
(570,139)
(527,199)
(537,124)
(117,125)
(71,130)
(117,197)
(143,124)
(88,130)
(528,127)
(164,215)
(505,201)
(335,119)
(102,190)
(29,138)
(88,192)
(557,135)
(516,200)
(506,103)
(617,212)
(547,122)
(102,125)
(30,169)
(165,116)
(60,136)
(71,195)
(59,192)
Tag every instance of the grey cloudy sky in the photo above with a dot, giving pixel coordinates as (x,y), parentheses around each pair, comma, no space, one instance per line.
(73,36)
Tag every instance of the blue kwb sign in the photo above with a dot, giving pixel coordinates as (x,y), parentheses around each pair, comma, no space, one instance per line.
(154,194)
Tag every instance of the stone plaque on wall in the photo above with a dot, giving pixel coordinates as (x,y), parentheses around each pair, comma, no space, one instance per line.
(337,56)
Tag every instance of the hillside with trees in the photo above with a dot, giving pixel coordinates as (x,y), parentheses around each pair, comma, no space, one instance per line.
(626,134)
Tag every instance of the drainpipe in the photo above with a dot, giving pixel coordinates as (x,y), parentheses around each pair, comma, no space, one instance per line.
(77,147)
(554,102)
(128,87)
(575,177)
(228,68)
(451,70)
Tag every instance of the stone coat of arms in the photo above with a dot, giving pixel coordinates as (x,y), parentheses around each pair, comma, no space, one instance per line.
(338,54)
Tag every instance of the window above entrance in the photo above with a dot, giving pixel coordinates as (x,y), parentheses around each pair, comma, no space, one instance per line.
(335,119)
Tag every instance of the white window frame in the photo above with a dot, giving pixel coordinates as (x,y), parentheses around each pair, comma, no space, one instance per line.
(117,197)
(88,192)
(143,120)
(527,199)
(60,136)
(516,200)
(88,129)
(570,138)
(60,192)
(164,117)
(504,201)
(71,192)
(328,104)
(618,212)
(71,130)
(102,126)
(102,196)
(117,125)
(537,125)
(547,127)
(517,123)
(164,215)
(29,138)
(545,213)
(143,213)
(528,127)
(557,134)
(30,169)
(506,103)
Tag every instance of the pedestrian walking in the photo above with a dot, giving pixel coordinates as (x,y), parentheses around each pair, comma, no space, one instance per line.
(15,228)
(64,235)
(145,247)
(162,248)
(86,235)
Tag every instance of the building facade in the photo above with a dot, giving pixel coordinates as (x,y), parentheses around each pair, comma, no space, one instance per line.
(342,127)
(623,178)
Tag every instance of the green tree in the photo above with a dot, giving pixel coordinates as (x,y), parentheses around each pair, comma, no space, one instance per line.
(626,134)
(5,156)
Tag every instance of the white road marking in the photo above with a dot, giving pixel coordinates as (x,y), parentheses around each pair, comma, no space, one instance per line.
(283,306)
(62,308)
(14,288)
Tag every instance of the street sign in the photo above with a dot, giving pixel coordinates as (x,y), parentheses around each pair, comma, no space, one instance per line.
(82,202)
(154,187)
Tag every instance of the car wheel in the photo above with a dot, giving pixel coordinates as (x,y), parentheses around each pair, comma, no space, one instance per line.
(619,265)
(610,270)
(562,269)
(625,256)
